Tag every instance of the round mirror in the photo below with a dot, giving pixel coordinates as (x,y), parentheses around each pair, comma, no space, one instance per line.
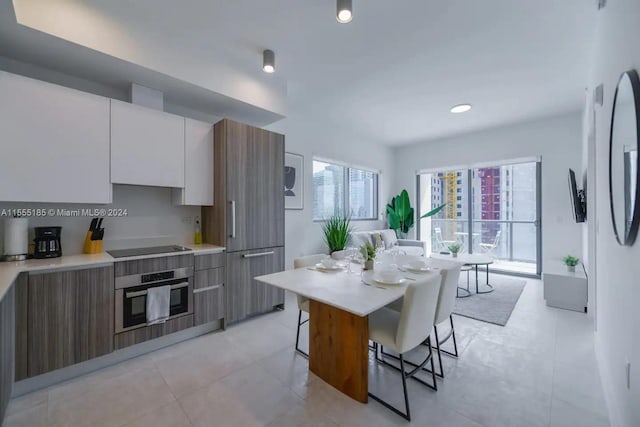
(623,158)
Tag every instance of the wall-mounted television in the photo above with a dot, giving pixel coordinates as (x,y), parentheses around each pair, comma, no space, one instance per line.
(578,203)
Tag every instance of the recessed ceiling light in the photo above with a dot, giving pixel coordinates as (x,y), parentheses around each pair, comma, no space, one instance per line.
(268,61)
(461,108)
(344,13)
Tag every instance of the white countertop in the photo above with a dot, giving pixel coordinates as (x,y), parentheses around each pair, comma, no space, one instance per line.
(559,268)
(339,289)
(9,271)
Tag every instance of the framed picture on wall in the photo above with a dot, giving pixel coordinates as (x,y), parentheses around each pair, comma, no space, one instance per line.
(293,181)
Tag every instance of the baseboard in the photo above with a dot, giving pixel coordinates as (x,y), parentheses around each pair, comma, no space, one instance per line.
(50,378)
(607,387)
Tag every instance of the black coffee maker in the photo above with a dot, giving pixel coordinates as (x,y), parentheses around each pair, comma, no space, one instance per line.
(47,242)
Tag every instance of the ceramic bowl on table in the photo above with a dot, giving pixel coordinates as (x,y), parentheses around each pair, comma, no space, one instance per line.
(387,275)
(417,266)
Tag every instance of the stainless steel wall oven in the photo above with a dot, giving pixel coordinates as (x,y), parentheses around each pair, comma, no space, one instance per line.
(131,296)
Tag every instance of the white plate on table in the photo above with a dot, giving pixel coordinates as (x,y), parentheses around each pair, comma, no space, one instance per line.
(400,281)
(369,278)
(417,270)
(321,267)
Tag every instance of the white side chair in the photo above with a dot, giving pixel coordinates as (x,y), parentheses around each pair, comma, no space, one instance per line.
(405,330)
(489,248)
(450,272)
(303,303)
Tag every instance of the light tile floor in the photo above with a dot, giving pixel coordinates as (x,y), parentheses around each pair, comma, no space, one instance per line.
(539,370)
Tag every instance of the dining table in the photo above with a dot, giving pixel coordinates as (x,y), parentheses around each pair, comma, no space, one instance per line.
(339,305)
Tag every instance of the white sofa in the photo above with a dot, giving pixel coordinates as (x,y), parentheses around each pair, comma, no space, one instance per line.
(390,241)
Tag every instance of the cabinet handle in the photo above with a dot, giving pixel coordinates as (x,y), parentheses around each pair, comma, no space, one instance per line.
(208,288)
(233,219)
(258,254)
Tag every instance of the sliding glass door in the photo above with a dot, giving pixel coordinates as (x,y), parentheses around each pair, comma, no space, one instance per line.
(489,209)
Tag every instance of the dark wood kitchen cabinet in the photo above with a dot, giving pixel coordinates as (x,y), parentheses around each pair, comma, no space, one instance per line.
(70,317)
(248,214)
(7,352)
(245,296)
(248,211)
(208,296)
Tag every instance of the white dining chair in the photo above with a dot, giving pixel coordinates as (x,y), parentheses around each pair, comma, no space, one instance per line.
(450,275)
(450,272)
(303,303)
(405,330)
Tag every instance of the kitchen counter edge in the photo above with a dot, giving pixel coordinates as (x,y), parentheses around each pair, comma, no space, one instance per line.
(9,271)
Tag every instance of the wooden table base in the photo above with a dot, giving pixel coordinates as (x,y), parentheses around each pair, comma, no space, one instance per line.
(338,349)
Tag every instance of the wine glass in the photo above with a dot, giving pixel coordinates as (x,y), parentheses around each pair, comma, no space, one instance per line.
(350,254)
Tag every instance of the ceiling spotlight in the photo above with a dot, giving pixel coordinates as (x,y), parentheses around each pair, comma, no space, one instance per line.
(268,61)
(462,108)
(344,13)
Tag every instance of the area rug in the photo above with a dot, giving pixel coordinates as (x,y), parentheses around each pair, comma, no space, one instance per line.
(495,307)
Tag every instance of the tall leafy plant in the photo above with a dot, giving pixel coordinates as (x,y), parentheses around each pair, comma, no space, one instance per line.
(336,232)
(400,214)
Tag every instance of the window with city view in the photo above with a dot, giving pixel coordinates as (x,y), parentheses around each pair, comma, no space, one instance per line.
(339,190)
(491,209)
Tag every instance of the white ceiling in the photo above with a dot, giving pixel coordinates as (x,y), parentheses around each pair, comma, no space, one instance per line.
(391,75)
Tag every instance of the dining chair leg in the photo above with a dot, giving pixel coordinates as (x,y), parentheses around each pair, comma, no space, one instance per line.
(300,323)
(417,367)
(441,374)
(433,369)
(452,334)
(407,413)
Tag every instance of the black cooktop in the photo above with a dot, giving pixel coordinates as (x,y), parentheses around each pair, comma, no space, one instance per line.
(153,250)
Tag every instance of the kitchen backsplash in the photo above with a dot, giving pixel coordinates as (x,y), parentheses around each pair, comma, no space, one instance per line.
(151,219)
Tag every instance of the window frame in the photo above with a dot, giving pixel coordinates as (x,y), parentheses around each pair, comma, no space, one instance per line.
(347,188)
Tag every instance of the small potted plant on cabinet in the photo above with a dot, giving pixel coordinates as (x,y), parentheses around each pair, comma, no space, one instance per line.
(454,248)
(368,253)
(571,262)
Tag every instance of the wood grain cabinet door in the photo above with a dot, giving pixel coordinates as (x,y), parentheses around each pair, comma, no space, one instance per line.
(208,296)
(255,187)
(70,317)
(7,339)
(245,296)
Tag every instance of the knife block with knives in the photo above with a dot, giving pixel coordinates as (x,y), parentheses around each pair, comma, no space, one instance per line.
(93,239)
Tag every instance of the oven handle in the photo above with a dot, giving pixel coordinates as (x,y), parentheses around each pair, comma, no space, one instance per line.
(141,293)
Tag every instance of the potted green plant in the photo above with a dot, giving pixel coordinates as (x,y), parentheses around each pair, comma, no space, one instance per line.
(571,262)
(400,214)
(454,248)
(368,253)
(336,232)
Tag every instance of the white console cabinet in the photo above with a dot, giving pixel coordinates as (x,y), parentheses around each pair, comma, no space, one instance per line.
(565,289)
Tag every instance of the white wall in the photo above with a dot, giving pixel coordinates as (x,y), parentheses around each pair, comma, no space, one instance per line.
(556,140)
(309,136)
(618,269)
(151,220)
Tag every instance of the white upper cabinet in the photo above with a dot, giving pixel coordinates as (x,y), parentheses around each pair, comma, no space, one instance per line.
(147,146)
(54,143)
(198,165)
